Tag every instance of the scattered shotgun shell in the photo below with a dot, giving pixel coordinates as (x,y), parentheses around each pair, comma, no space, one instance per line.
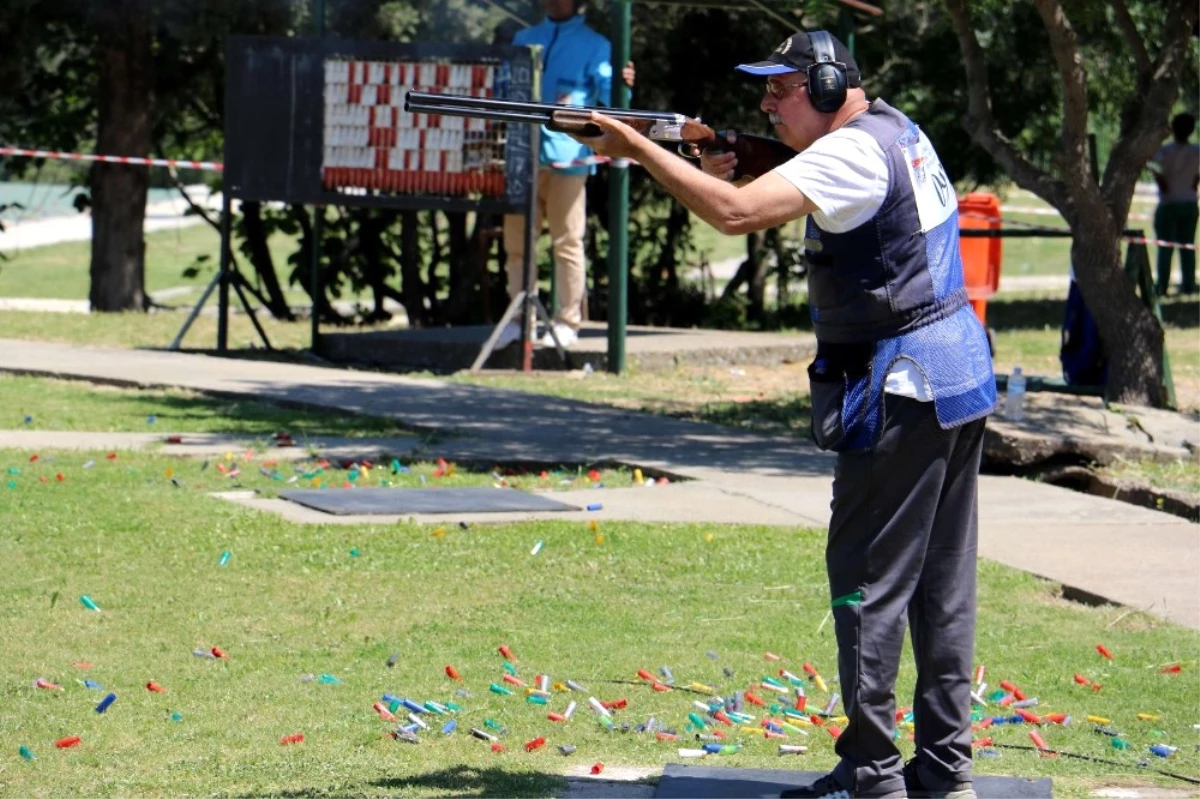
(1040,743)
(105,702)
(1081,680)
(507,653)
(67,743)
(1174,668)
(1103,650)
(218,653)
(27,753)
(453,674)
(154,687)
(88,603)
(567,749)
(294,738)
(792,749)
(43,683)
(597,767)
(536,743)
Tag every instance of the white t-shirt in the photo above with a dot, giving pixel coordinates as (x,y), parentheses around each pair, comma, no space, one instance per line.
(845,174)
(1178,164)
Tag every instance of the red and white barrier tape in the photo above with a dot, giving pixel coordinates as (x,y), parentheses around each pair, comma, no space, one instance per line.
(210,166)
(1030,226)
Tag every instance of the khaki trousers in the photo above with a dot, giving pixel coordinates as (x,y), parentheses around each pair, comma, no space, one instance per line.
(561,203)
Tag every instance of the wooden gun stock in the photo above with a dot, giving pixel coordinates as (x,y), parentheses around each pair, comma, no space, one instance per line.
(756,155)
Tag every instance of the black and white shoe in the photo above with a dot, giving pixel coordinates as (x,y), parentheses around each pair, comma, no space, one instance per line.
(823,788)
(918,790)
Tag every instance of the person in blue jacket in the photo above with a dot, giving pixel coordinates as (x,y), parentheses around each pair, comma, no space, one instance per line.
(576,70)
(900,387)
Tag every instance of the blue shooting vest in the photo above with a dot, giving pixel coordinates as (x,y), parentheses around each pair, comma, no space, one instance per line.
(893,287)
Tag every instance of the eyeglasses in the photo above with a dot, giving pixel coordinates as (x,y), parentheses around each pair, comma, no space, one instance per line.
(777,88)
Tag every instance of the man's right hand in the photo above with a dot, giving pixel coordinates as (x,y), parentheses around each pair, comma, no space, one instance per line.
(719,164)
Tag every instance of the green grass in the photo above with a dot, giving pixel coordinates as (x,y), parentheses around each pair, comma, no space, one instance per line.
(61,270)
(591,607)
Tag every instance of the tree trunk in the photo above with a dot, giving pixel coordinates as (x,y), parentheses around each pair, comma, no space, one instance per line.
(411,286)
(1132,337)
(463,272)
(124,119)
(264,265)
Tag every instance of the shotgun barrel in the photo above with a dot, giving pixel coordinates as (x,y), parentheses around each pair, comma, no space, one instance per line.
(756,154)
(657,125)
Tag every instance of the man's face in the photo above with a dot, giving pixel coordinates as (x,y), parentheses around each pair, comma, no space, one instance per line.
(785,101)
(560,9)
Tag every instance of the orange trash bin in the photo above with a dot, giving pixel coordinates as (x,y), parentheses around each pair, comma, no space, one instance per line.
(980,256)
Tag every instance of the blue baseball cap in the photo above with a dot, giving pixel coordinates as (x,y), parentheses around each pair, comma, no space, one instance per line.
(796,55)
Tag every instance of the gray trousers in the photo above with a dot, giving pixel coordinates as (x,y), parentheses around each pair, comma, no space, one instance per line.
(902,547)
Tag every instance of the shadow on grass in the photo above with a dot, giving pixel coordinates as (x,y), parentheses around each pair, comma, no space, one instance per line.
(464,781)
(469,781)
(214,412)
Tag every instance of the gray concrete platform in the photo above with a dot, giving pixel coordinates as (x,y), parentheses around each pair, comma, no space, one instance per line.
(450,349)
(1100,548)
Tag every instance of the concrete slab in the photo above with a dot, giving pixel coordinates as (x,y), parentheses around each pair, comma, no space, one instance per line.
(1152,567)
(707,782)
(614,782)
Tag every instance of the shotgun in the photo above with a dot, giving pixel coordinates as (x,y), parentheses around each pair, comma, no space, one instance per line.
(756,155)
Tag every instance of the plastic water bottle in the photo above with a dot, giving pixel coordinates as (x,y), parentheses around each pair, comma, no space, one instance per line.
(1014,403)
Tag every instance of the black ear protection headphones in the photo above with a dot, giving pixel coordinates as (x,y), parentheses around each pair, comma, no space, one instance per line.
(827,81)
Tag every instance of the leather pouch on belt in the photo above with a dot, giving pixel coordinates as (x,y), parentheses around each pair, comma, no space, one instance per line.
(836,368)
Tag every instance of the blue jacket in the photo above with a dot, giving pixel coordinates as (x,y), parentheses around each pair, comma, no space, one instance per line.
(893,288)
(576,70)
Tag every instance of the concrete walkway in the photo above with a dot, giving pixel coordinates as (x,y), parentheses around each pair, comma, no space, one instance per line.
(1097,547)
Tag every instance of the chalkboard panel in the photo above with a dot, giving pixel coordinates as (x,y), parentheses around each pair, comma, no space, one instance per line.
(321,122)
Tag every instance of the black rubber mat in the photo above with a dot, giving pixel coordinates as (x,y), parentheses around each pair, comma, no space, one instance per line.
(704,782)
(423,500)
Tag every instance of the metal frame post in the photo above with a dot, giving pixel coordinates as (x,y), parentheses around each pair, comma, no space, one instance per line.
(618,206)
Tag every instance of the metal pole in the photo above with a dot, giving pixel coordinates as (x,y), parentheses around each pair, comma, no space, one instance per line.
(314,278)
(618,205)
(530,273)
(223,290)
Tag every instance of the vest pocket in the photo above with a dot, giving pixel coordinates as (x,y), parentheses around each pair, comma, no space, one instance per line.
(838,370)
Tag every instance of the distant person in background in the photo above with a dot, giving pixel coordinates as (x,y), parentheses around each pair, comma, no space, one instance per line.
(576,70)
(1177,175)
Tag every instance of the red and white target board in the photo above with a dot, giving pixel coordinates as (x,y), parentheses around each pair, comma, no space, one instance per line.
(371,142)
(322,121)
